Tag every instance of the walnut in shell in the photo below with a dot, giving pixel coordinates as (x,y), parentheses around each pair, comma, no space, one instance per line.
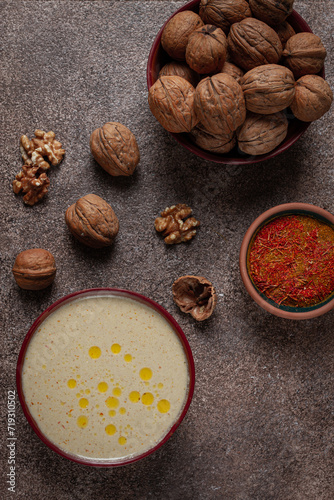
(171,100)
(223,13)
(284,31)
(253,43)
(92,221)
(260,134)
(34,269)
(115,149)
(215,143)
(195,295)
(313,98)
(220,104)
(233,70)
(271,11)
(175,35)
(268,89)
(180,68)
(206,49)
(304,54)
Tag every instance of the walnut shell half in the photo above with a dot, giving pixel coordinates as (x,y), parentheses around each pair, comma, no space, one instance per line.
(260,134)
(171,101)
(313,98)
(115,148)
(92,221)
(195,295)
(34,269)
(305,54)
(253,43)
(268,89)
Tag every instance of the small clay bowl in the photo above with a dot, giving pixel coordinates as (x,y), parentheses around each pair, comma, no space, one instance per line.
(158,58)
(267,304)
(105,292)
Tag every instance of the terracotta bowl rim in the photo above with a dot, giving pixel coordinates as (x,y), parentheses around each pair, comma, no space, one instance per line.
(276,211)
(91,292)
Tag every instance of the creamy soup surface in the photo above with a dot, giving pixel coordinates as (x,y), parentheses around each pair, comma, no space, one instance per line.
(105,377)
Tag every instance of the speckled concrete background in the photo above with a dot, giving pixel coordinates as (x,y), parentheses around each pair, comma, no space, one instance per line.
(260,425)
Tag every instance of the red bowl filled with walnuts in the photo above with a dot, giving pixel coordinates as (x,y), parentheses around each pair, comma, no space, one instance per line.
(237,83)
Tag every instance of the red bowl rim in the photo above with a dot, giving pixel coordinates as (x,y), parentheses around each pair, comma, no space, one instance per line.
(262,219)
(295,20)
(105,292)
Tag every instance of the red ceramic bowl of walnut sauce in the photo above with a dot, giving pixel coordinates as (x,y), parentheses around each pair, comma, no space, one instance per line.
(94,397)
(158,58)
(288,312)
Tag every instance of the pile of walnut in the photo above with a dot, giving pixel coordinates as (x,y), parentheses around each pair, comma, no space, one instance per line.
(235,68)
(32,180)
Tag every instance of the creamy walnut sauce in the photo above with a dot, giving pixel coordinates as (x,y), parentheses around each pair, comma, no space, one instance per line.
(105,377)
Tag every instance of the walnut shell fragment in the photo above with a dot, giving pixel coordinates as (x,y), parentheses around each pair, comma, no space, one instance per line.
(223,13)
(215,143)
(171,100)
(313,98)
(34,269)
(220,104)
(115,149)
(92,221)
(206,49)
(179,68)
(260,134)
(253,43)
(175,35)
(268,89)
(304,54)
(271,11)
(195,295)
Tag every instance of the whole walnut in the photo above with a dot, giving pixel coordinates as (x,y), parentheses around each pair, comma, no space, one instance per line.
(175,35)
(171,100)
(220,104)
(215,143)
(115,149)
(260,134)
(271,11)
(233,70)
(253,43)
(284,31)
(223,13)
(179,68)
(34,269)
(268,89)
(304,54)
(92,221)
(206,49)
(313,98)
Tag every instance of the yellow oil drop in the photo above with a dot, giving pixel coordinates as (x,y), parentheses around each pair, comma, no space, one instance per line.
(117,392)
(87,391)
(115,348)
(160,385)
(122,411)
(102,387)
(122,440)
(83,403)
(94,352)
(78,395)
(163,406)
(128,358)
(72,383)
(112,402)
(44,367)
(112,413)
(82,422)
(134,396)
(145,373)
(110,429)
(147,398)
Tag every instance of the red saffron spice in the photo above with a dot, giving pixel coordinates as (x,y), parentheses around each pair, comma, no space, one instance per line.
(291,260)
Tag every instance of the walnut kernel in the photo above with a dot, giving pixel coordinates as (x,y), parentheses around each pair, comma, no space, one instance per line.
(172,226)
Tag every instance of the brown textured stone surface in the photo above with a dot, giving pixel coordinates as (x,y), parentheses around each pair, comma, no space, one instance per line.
(260,425)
